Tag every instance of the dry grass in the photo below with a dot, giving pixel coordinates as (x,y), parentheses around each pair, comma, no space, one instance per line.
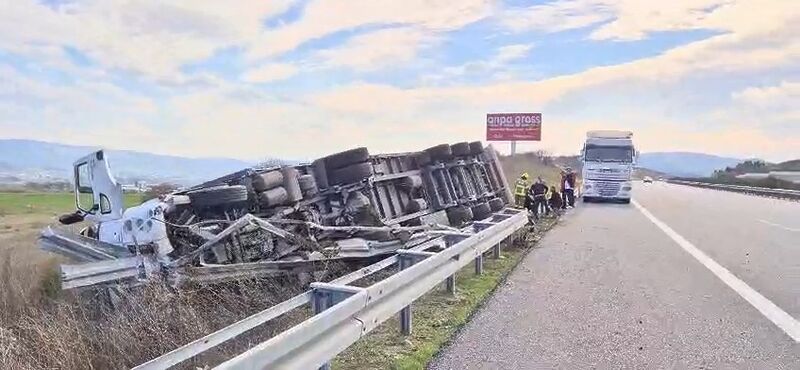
(44,328)
(533,163)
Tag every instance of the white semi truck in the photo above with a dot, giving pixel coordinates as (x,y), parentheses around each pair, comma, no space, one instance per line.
(608,158)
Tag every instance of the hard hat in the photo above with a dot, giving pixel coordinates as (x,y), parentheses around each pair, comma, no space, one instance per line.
(524,176)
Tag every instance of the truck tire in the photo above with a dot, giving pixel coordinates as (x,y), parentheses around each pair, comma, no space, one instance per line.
(416,205)
(267,180)
(346,158)
(411,182)
(225,196)
(422,158)
(459,215)
(475,148)
(320,173)
(307,185)
(441,152)
(290,183)
(460,149)
(481,211)
(273,197)
(350,174)
(496,204)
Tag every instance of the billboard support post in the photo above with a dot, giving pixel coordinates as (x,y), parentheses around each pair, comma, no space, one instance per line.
(513,147)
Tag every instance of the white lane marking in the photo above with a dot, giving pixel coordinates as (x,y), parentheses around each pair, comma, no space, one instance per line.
(779,226)
(779,317)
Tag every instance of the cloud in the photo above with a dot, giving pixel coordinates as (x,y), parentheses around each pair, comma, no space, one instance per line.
(270,72)
(784,94)
(325,17)
(557,15)
(378,49)
(151,38)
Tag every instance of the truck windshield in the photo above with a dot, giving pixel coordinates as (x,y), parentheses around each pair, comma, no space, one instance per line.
(609,154)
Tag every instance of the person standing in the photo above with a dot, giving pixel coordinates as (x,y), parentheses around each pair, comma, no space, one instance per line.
(538,194)
(555,201)
(568,188)
(520,188)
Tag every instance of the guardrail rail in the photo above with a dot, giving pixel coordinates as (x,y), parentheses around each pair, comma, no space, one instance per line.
(344,313)
(776,193)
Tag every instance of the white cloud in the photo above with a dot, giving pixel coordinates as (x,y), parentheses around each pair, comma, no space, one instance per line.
(378,49)
(152,38)
(325,17)
(557,15)
(510,53)
(784,94)
(270,72)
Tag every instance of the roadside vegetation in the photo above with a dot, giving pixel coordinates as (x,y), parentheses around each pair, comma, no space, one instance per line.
(43,327)
(730,175)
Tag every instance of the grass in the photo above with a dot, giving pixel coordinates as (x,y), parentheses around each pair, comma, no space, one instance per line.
(437,316)
(18,203)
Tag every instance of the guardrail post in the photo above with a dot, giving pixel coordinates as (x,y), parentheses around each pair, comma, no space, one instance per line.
(450,284)
(325,296)
(496,251)
(479,264)
(407,258)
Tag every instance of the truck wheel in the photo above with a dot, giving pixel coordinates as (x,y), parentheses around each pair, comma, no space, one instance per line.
(307,185)
(346,158)
(475,148)
(481,211)
(267,180)
(273,197)
(351,174)
(459,215)
(416,205)
(217,196)
(422,158)
(496,204)
(460,149)
(320,174)
(440,152)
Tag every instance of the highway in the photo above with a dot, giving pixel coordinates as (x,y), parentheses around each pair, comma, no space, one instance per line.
(683,278)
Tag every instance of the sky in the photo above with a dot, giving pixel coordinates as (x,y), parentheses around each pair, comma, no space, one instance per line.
(303,78)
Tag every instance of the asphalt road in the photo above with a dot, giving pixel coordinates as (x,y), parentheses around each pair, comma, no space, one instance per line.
(715,285)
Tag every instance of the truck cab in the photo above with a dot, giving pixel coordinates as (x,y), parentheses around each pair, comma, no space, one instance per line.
(608,158)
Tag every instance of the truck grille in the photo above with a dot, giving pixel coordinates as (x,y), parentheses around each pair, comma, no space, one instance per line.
(607,189)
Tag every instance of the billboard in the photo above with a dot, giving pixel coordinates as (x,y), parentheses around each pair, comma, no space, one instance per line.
(514,127)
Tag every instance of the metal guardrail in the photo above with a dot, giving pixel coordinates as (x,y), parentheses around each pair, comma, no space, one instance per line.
(344,313)
(777,193)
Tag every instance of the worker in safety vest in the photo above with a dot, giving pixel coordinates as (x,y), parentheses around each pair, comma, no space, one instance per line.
(520,190)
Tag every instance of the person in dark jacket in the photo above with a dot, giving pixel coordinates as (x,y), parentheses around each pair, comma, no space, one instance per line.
(537,195)
(568,188)
(555,200)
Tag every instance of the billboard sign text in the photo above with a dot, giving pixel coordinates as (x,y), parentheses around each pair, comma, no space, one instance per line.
(514,127)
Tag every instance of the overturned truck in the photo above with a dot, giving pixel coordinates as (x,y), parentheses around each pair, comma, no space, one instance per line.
(350,206)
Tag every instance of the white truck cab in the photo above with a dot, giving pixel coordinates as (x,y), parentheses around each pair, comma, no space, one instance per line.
(99,199)
(608,158)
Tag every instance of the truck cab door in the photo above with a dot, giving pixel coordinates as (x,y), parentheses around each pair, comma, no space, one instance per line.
(97,194)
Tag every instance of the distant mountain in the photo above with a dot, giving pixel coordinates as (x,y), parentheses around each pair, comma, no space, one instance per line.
(38,161)
(685,163)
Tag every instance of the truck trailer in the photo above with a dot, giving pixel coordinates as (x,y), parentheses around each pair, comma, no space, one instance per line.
(351,206)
